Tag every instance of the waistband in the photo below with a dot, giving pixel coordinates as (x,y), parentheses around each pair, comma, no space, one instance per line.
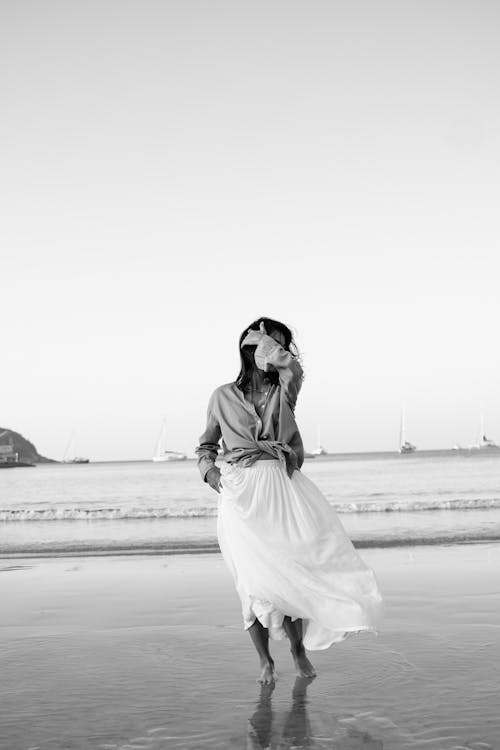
(251,451)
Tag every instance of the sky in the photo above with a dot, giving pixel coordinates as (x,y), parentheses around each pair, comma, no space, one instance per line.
(172,170)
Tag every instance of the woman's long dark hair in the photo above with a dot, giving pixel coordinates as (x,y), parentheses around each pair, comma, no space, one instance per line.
(246,354)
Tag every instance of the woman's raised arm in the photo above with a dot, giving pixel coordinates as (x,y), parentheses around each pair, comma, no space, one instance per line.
(270,355)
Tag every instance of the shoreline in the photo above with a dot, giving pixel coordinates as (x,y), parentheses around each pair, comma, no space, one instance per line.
(212,547)
(493,451)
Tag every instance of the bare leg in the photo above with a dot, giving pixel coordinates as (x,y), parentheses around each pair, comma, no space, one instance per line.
(260,637)
(293,630)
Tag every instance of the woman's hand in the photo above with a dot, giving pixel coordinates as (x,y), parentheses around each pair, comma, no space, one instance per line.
(253,338)
(213,478)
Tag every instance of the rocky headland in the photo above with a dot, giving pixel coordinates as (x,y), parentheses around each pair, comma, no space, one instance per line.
(26,450)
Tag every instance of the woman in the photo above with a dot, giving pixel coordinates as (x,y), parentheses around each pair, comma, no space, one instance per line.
(295,569)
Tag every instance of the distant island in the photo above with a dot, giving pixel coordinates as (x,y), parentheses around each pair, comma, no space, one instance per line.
(14,448)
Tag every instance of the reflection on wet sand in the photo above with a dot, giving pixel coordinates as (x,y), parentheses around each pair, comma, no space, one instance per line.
(267,732)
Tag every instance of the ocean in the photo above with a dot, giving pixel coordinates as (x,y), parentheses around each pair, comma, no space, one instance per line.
(142,507)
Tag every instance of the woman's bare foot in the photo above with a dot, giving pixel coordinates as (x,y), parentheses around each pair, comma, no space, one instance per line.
(268,674)
(303,666)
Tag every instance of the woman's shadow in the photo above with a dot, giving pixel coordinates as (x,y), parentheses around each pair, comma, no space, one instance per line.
(296,731)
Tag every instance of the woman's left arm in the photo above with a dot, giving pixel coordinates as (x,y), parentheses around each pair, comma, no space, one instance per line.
(270,355)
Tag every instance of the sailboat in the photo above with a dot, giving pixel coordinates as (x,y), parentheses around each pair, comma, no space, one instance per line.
(69,454)
(319,450)
(484,443)
(161,453)
(404,445)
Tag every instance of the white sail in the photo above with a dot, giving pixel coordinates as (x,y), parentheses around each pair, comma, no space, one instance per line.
(70,456)
(402,429)
(161,453)
(160,443)
(70,449)
(404,445)
(484,442)
(319,450)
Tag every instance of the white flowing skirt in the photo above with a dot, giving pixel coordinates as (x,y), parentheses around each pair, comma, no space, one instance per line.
(289,554)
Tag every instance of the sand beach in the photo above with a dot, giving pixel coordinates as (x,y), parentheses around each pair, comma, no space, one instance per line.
(148,652)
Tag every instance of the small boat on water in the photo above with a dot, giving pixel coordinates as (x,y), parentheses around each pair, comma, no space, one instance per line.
(404,445)
(69,454)
(407,447)
(484,443)
(487,443)
(319,450)
(161,454)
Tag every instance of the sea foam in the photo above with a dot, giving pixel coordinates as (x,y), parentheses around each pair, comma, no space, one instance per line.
(81,513)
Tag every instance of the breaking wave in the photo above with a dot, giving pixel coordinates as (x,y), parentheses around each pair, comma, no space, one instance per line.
(79,513)
(103,514)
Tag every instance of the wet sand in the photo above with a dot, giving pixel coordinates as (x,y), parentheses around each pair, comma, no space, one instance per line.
(149,652)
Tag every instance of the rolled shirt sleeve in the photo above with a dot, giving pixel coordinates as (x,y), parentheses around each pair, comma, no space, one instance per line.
(207,450)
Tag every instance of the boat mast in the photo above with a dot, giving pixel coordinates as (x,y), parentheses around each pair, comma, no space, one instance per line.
(70,445)
(402,428)
(160,446)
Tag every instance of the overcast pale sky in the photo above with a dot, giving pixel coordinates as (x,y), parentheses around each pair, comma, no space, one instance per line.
(171,170)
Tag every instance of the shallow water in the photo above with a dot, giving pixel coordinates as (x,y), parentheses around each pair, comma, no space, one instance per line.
(145,536)
(381,499)
(150,653)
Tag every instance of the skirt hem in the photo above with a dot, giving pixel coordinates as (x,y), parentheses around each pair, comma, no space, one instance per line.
(279,634)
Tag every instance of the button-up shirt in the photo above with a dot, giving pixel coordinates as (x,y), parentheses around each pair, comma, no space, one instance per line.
(245,435)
